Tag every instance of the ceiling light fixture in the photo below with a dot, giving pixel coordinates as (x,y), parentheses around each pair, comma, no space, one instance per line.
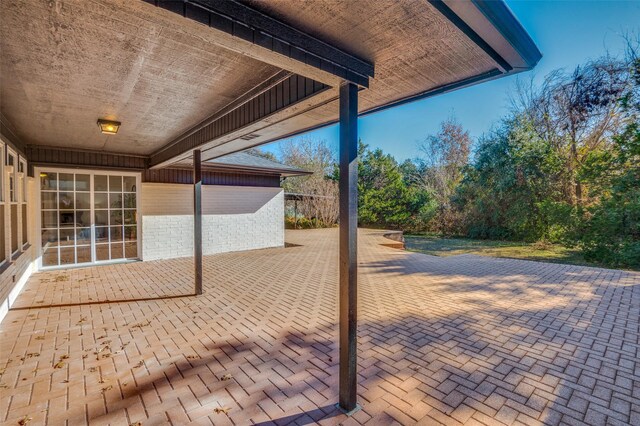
(108,127)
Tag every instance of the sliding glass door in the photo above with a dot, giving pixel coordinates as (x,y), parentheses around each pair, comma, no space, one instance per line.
(115,217)
(87,217)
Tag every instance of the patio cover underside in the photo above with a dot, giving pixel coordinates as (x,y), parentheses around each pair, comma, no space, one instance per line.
(177,84)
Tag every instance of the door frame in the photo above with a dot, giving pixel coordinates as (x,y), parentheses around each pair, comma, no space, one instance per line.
(92,173)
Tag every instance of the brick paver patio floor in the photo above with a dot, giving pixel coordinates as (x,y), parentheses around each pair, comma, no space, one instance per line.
(457,340)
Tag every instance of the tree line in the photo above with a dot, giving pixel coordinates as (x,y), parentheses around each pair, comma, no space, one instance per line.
(563,166)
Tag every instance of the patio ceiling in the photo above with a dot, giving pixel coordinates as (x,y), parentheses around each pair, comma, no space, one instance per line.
(64,66)
(177,85)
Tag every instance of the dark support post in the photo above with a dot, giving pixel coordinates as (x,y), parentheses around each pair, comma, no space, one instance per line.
(197,219)
(348,245)
(295,214)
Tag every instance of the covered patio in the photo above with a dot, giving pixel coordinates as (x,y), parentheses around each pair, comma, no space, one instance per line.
(456,340)
(111,105)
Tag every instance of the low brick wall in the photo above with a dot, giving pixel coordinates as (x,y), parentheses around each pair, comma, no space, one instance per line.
(397,239)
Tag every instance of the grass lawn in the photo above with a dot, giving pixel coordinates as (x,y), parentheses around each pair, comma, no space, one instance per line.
(437,246)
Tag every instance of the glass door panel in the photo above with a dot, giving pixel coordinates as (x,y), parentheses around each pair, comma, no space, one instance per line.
(87,218)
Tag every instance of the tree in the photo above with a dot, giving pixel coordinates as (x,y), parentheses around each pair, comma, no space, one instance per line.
(320,204)
(443,157)
(577,114)
(508,192)
(261,153)
(611,231)
(383,198)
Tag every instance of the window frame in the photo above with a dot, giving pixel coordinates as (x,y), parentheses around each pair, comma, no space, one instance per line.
(23,199)
(92,173)
(12,197)
(3,160)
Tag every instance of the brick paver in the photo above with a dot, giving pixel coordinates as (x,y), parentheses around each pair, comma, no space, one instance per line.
(457,340)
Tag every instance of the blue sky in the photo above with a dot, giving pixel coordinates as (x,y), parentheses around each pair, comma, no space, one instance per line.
(567,32)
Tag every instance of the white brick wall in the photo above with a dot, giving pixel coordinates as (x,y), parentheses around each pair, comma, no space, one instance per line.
(234,218)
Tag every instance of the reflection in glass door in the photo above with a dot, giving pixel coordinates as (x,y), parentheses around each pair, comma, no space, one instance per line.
(69,202)
(115,217)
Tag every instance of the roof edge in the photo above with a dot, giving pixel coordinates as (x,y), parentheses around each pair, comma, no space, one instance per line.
(508,25)
(285,172)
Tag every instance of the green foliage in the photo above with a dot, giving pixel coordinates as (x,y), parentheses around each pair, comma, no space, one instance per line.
(611,230)
(383,196)
(510,191)
(611,233)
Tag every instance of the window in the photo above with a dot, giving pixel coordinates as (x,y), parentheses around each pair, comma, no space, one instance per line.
(11,161)
(22,172)
(2,158)
(3,250)
(13,199)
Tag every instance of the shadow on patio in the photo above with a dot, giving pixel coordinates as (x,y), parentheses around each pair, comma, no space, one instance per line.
(436,344)
(522,365)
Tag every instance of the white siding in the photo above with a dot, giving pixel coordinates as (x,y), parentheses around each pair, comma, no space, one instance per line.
(234,218)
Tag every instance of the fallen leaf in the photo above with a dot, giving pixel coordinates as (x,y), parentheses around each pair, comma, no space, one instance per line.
(139,364)
(135,424)
(65,356)
(141,324)
(226,377)
(222,410)
(59,364)
(39,337)
(24,420)
(93,369)
(108,388)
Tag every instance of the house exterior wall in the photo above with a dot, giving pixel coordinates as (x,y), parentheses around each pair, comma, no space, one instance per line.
(235,218)
(14,275)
